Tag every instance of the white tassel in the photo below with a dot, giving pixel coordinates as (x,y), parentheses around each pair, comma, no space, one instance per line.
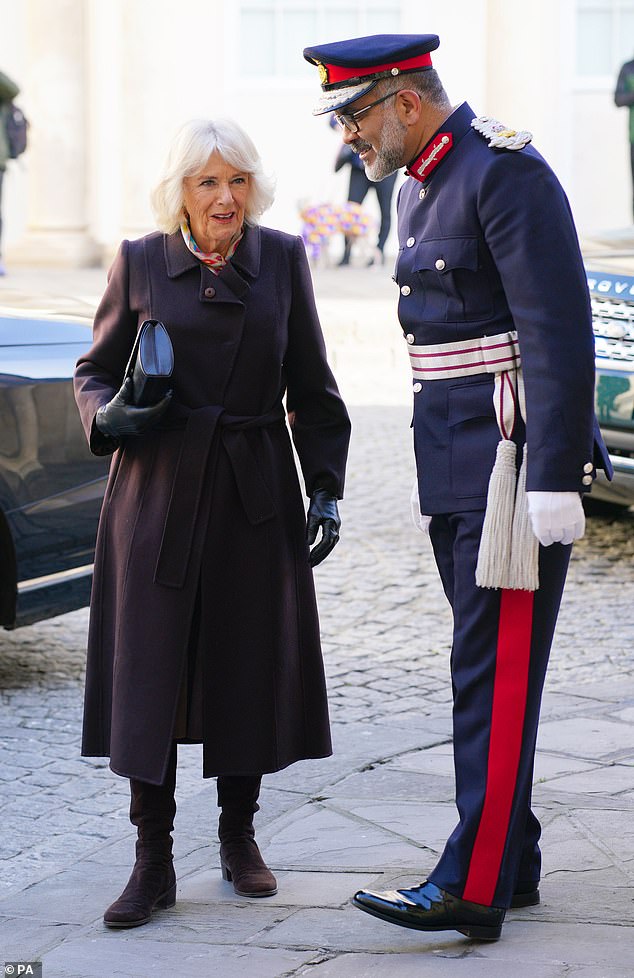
(524,566)
(494,554)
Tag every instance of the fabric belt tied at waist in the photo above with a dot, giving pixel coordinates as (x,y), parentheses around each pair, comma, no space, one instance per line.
(509,551)
(202,428)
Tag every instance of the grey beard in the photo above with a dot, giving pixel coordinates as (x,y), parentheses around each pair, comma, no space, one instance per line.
(390,156)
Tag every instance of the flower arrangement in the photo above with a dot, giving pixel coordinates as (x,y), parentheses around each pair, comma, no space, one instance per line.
(322,221)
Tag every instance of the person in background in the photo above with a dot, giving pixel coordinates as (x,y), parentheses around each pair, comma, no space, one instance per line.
(358,187)
(624,98)
(203,623)
(495,312)
(8,91)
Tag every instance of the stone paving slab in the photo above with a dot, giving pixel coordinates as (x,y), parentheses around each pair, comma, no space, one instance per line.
(431,964)
(296,889)
(615,779)
(429,823)
(330,839)
(24,938)
(436,963)
(587,737)
(119,956)
(387,781)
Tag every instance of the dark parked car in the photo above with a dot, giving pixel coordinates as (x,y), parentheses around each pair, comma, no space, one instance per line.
(611,284)
(50,485)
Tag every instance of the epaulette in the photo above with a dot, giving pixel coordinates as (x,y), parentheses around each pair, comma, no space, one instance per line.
(499,136)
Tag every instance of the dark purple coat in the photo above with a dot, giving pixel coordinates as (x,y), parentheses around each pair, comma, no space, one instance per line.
(204,514)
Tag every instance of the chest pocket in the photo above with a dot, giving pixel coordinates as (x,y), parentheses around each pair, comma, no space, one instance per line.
(455,287)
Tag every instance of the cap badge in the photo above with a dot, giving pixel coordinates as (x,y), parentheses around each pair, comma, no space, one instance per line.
(323,73)
(499,136)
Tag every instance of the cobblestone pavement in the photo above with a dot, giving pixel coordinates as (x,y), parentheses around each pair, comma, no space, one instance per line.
(65,838)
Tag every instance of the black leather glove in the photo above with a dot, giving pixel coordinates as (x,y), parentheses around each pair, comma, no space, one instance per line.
(119,417)
(323,513)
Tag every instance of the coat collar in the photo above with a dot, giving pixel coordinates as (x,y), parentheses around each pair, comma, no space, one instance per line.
(441,144)
(179,258)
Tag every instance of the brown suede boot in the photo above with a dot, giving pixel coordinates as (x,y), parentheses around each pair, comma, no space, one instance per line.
(240,859)
(152,884)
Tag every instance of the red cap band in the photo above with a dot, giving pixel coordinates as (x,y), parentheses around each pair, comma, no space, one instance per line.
(337,73)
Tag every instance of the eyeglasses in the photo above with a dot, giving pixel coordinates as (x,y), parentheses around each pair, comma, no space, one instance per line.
(349,120)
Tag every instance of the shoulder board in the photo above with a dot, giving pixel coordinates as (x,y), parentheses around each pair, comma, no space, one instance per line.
(499,136)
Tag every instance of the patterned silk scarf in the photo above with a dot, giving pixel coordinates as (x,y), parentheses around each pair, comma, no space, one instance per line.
(214,260)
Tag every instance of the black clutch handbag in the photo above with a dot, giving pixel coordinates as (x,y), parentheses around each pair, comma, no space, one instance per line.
(151,363)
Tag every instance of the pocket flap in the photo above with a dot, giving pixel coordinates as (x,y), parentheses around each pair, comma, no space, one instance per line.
(470,401)
(446,254)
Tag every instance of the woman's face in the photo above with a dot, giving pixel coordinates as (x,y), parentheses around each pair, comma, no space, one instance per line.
(215,200)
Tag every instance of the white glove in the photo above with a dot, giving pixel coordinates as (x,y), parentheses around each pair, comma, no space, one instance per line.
(420,522)
(556,517)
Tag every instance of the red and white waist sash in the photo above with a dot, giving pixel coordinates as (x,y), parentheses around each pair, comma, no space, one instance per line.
(498,355)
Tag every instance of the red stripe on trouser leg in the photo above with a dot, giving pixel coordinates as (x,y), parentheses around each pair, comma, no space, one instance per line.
(505,743)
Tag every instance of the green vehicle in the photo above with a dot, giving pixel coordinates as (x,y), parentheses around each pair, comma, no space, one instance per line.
(611,285)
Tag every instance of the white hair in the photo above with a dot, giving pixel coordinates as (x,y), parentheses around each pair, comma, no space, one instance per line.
(192,146)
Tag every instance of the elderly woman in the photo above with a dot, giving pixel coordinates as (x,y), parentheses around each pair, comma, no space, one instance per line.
(203,625)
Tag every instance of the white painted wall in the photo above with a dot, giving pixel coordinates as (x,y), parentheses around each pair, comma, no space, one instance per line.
(145,66)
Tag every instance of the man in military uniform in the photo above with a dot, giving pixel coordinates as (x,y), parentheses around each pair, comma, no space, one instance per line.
(496,317)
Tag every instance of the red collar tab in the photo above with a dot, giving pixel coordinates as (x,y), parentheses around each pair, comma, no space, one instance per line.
(333,74)
(428,160)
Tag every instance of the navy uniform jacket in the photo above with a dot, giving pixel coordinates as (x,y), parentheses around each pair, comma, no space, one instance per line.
(501,223)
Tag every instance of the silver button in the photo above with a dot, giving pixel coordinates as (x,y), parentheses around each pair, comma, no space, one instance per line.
(422,193)
(410,242)
(410,338)
(405,290)
(587,480)
(440,264)
(417,388)
(588,467)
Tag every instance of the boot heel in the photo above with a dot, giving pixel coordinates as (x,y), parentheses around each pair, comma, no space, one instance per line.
(167,900)
(226,872)
(479,933)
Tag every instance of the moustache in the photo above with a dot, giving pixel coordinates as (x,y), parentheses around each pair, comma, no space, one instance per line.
(360,147)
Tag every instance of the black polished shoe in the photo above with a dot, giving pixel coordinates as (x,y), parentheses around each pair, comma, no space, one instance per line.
(427,907)
(525,898)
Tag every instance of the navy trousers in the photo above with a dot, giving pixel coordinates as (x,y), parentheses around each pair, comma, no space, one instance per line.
(500,651)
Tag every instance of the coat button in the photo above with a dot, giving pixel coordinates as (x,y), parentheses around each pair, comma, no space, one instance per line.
(417,388)
(410,338)
(405,290)
(410,242)
(587,480)
(440,264)
(210,292)
(422,193)
(588,467)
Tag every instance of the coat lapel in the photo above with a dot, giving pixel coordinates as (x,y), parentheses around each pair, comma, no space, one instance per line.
(233,282)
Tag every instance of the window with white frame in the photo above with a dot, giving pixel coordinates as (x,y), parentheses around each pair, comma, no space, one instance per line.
(605,37)
(273,33)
